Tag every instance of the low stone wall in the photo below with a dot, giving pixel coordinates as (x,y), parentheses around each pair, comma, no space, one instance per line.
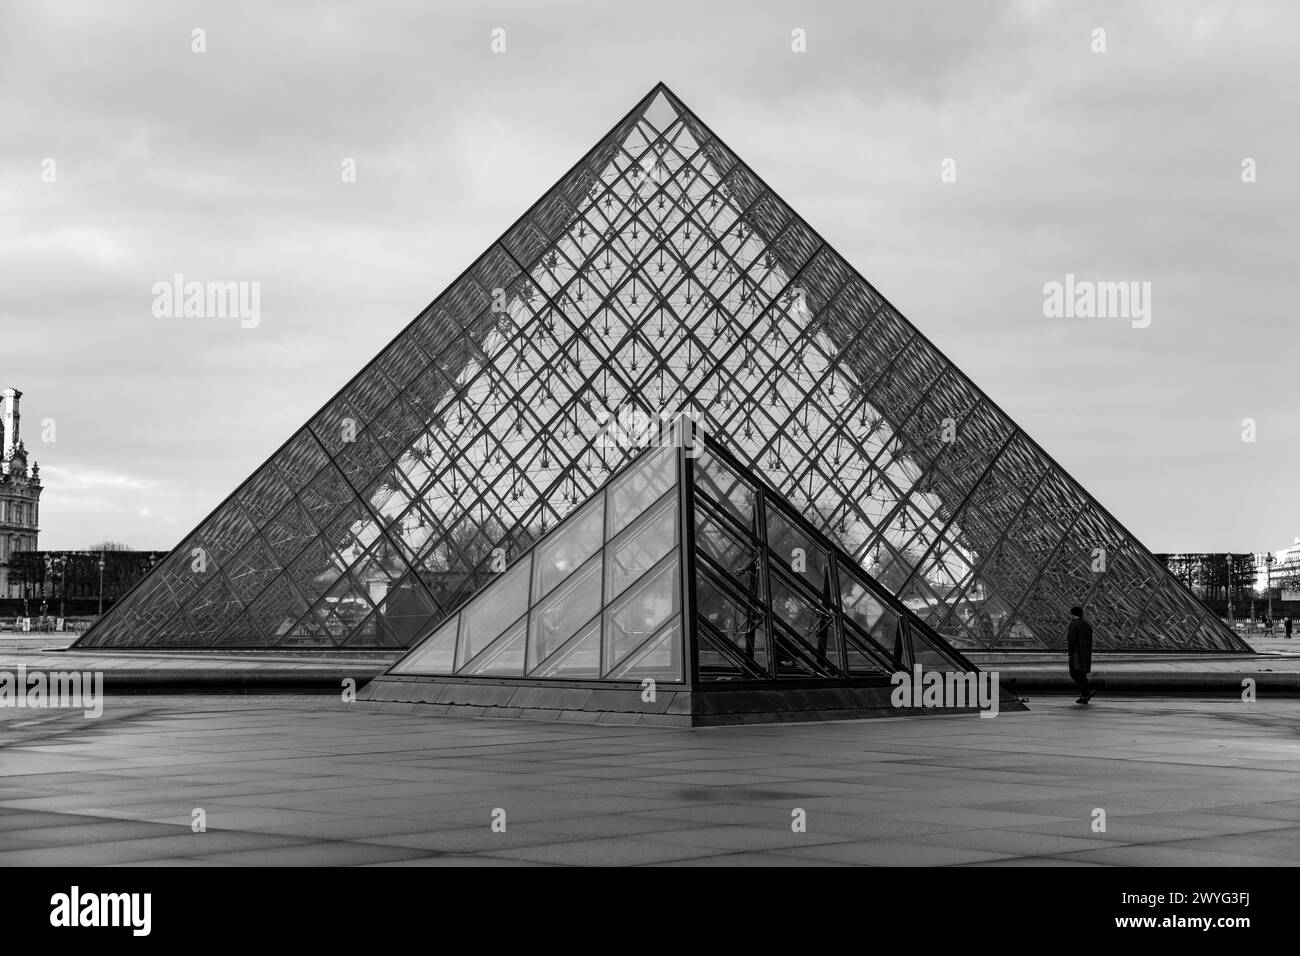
(675,707)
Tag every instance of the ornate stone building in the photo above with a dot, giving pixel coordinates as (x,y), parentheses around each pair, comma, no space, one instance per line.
(20,492)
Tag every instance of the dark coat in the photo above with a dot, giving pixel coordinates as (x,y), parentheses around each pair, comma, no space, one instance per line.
(1079,640)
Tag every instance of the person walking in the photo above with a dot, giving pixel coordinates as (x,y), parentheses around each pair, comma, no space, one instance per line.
(1287,622)
(1078,640)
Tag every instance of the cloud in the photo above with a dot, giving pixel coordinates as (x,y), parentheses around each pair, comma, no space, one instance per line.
(225,166)
(63,480)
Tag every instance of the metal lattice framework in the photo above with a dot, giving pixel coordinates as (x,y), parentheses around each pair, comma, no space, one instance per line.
(659,274)
(679,570)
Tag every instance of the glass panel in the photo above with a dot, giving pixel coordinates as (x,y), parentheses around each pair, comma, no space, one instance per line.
(567,547)
(436,655)
(713,663)
(251,570)
(577,660)
(242,633)
(981,619)
(862,654)
(875,619)
(343,609)
(555,619)
(647,480)
(641,547)
(727,549)
(858,602)
(300,459)
(798,552)
(370,634)
(739,623)
(492,611)
(641,612)
(316,570)
(790,657)
(226,532)
(403,613)
(659,658)
(724,486)
(278,608)
(328,493)
(504,657)
(927,656)
(799,612)
(214,608)
(888,635)
(290,531)
(811,622)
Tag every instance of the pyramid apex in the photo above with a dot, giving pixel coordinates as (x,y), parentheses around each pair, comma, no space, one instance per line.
(664,88)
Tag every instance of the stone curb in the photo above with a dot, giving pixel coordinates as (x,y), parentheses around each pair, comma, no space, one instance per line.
(1163,683)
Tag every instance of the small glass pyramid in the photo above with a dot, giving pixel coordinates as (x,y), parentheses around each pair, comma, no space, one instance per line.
(687,569)
(599,597)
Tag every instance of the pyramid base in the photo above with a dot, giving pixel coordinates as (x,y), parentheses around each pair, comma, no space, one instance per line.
(672,707)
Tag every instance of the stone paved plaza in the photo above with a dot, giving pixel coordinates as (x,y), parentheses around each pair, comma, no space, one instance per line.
(309,781)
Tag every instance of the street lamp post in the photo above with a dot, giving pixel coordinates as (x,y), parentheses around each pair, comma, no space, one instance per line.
(63,584)
(1268,586)
(101,584)
(1230,624)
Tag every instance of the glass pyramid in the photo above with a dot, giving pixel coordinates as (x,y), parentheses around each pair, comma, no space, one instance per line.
(659,274)
(599,597)
(687,569)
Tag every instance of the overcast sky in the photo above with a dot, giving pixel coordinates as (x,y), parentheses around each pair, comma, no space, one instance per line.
(225,165)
